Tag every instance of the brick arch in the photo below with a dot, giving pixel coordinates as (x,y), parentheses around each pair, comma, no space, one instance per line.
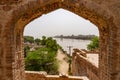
(20,14)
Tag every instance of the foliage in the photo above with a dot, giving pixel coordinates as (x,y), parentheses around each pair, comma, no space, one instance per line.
(94,43)
(69,69)
(37,41)
(29,39)
(42,59)
(43,41)
(26,50)
(50,43)
(84,37)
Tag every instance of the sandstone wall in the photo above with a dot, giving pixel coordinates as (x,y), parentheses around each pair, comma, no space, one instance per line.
(31,75)
(82,67)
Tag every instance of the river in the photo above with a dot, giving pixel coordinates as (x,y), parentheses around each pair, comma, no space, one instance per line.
(74,43)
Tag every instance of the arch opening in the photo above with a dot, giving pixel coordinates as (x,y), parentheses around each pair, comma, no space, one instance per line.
(62,27)
(97,20)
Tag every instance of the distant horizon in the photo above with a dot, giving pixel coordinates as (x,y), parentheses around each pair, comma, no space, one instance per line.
(60,35)
(60,22)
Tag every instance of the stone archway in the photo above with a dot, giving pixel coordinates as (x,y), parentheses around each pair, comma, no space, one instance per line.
(14,15)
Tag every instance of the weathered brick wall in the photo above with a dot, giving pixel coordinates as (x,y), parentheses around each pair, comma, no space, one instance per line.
(82,67)
(31,75)
(91,75)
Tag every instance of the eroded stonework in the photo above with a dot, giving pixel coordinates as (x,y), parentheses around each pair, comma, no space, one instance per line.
(83,64)
(15,14)
(2,2)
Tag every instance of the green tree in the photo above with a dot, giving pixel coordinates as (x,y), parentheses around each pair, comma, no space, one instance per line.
(50,43)
(94,43)
(29,39)
(43,41)
(26,50)
(42,59)
(37,41)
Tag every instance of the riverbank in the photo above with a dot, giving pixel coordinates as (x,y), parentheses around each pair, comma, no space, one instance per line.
(83,37)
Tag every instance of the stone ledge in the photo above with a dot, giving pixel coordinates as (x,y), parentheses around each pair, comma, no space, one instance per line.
(35,75)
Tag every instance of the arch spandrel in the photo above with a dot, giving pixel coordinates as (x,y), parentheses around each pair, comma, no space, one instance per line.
(29,13)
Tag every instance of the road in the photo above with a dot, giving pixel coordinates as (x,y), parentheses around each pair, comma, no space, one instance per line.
(63,65)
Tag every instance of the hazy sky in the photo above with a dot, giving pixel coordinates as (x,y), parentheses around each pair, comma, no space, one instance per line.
(60,22)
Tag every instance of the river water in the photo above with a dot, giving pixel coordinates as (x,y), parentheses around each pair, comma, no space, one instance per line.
(74,43)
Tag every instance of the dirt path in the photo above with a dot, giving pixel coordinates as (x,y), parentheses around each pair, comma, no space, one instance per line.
(63,65)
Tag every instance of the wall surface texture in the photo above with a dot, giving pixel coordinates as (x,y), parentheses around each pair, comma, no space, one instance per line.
(15,14)
(31,75)
(81,66)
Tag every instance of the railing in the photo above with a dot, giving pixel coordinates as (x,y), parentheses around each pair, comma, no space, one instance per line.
(33,75)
